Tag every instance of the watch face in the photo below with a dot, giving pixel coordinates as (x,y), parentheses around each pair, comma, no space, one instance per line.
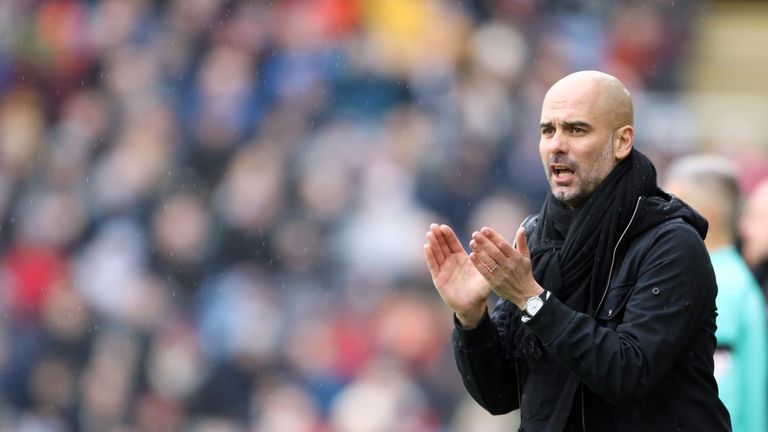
(533,305)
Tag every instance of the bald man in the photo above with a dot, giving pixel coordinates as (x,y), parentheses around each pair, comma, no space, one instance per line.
(708,183)
(606,317)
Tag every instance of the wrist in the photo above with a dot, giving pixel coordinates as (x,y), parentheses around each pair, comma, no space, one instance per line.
(533,305)
(470,319)
(537,292)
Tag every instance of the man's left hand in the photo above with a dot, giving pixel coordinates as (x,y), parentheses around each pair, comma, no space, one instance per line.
(507,268)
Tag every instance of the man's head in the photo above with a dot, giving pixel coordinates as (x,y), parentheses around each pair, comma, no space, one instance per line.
(586,130)
(754,226)
(708,183)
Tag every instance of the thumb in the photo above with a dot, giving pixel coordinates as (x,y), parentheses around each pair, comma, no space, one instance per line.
(521,242)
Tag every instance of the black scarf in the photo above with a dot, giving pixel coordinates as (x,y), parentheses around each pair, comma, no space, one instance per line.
(576,268)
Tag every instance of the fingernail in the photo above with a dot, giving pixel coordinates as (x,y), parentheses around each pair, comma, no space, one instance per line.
(486,231)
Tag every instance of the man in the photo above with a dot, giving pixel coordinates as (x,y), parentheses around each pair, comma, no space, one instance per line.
(708,183)
(606,321)
(754,233)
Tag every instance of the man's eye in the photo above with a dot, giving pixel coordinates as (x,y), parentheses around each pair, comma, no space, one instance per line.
(576,130)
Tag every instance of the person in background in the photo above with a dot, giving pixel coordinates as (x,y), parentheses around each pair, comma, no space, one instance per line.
(753,228)
(606,317)
(708,183)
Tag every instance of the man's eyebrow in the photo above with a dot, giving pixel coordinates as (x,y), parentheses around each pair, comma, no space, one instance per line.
(577,123)
(567,124)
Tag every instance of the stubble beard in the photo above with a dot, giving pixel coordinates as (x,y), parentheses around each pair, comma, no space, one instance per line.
(587,180)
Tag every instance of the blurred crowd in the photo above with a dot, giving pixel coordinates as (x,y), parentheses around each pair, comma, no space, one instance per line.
(212,211)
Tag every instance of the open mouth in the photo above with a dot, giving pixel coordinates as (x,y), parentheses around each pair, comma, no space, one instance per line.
(561,173)
(561,170)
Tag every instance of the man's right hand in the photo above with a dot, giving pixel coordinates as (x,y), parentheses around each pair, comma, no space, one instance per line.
(457,280)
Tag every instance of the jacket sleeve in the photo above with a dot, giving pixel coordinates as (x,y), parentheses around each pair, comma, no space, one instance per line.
(491,379)
(674,292)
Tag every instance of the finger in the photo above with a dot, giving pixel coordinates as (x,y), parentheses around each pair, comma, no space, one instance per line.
(481,243)
(522,243)
(484,269)
(434,269)
(441,240)
(451,239)
(501,243)
(485,259)
(434,245)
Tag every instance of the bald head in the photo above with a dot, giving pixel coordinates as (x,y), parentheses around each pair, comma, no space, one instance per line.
(603,93)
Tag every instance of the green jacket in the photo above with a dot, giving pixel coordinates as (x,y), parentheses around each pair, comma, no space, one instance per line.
(741,358)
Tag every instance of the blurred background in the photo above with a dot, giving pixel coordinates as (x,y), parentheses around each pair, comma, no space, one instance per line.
(212,211)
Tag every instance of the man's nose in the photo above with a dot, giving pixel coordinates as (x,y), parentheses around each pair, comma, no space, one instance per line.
(558,143)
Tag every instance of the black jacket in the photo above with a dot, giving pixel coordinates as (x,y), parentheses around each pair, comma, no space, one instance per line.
(643,362)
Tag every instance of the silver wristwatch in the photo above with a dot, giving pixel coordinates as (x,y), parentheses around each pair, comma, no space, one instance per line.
(533,304)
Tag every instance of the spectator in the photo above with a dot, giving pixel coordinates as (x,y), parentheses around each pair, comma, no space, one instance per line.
(709,184)
(754,233)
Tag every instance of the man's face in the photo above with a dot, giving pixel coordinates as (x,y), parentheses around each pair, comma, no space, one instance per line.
(753,227)
(576,144)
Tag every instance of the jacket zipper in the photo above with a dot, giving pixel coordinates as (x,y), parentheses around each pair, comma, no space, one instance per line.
(602,299)
(613,258)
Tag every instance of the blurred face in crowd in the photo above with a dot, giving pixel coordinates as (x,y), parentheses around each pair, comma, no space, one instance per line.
(753,226)
(586,129)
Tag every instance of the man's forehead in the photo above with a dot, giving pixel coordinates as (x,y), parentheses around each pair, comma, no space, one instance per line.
(571,96)
(595,96)
(580,105)
(568,111)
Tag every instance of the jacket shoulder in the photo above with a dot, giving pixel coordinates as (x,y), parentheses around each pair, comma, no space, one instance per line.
(674,242)
(675,231)
(671,246)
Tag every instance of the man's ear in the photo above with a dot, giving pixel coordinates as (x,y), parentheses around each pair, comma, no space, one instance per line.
(622,141)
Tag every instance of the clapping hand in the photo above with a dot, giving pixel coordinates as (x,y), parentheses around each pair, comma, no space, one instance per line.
(462,287)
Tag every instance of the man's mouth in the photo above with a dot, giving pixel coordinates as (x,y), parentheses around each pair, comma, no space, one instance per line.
(562,174)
